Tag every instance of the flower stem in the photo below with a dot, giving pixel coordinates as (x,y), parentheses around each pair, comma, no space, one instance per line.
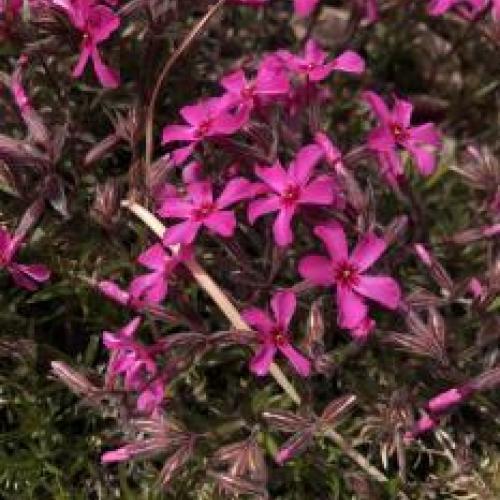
(355,456)
(212,289)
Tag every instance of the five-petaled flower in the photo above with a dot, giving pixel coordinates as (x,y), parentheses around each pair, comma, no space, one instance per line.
(97,23)
(136,364)
(208,118)
(313,63)
(266,85)
(199,208)
(395,131)
(152,287)
(274,334)
(291,189)
(347,274)
(27,276)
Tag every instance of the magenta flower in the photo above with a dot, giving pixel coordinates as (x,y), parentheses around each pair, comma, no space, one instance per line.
(266,85)
(198,208)
(291,189)
(129,358)
(347,274)
(153,287)
(97,23)
(27,276)
(314,66)
(274,334)
(208,118)
(395,130)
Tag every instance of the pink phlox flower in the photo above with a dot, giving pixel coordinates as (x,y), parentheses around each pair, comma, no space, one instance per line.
(97,23)
(208,118)
(347,273)
(274,334)
(129,358)
(267,85)
(313,63)
(395,130)
(290,189)
(468,8)
(153,287)
(198,208)
(27,276)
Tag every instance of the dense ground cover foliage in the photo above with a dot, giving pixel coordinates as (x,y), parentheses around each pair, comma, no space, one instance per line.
(249,248)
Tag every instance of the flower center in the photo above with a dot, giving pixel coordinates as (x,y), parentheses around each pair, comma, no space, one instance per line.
(346,274)
(309,67)
(290,194)
(279,337)
(203,211)
(399,132)
(203,128)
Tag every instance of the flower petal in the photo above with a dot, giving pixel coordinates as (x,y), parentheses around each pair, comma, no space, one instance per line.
(259,319)
(275,176)
(317,269)
(382,289)
(173,133)
(150,287)
(301,364)
(262,206)
(261,362)
(350,62)
(333,236)
(176,208)
(283,305)
(222,222)
(154,257)
(425,134)
(282,230)
(108,77)
(424,159)
(402,112)
(351,308)
(367,251)
(378,106)
(236,190)
(302,166)
(185,232)
(318,192)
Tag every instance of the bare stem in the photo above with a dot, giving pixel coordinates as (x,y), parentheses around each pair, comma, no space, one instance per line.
(355,456)
(212,289)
